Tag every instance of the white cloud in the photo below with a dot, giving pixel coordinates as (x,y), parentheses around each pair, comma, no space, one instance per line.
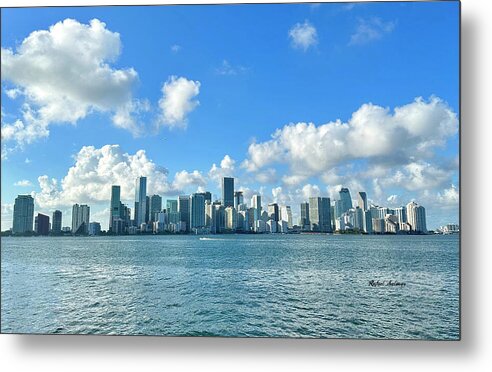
(7,215)
(226,169)
(393,199)
(373,133)
(28,161)
(227,69)
(178,100)
(449,197)
(13,93)
(418,176)
(64,74)
(268,176)
(23,183)
(95,170)
(370,30)
(303,36)
(176,48)
(183,180)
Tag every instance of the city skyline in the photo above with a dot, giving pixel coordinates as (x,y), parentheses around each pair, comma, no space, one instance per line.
(198,213)
(241,113)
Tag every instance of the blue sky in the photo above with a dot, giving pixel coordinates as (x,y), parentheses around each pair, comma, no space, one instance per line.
(241,74)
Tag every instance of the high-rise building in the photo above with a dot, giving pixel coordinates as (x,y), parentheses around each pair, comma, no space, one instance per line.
(114,211)
(80,219)
(345,199)
(230,218)
(362,199)
(23,214)
(286,215)
(207,195)
(238,199)
(42,224)
(155,207)
(56,227)
(416,217)
(319,214)
(305,221)
(358,218)
(171,205)
(273,212)
(367,222)
(94,228)
(228,191)
(140,200)
(401,213)
(197,211)
(184,211)
(256,204)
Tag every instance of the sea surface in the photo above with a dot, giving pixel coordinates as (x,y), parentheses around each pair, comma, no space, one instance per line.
(233,285)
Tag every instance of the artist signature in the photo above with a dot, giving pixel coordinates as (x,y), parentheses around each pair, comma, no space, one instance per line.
(386,283)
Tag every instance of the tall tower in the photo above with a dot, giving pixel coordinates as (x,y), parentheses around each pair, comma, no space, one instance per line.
(346,199)
(416,217)
(305,222)
(184,210)
(256,204)
(228,191)
(80,219)
(23,214)
(197,211)
(140,200)
(114,211)
(362,199)
(238,199)
(57,222)
(320,214)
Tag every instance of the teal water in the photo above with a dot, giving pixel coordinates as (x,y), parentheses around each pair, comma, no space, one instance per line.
(233,285)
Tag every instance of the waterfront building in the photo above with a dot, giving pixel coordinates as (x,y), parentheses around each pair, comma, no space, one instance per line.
(23,214)
(80,219)
(94,228)
(238,199)
(42,224)
(197,211)
(115,205)
(273,212)
(358,219)
(272,226)
(184,211)
(367,222)
(230,218)
(228,191)
(286,215)
(256,204)
(416,217)
(319,214)
(378,225)
(391,224)
(401,213)
(171,205)
(340,224)
(345,199)
(260,226)
(362,200)
(140,200)
(218,218)
(305,222)
(155,207)
(56,227)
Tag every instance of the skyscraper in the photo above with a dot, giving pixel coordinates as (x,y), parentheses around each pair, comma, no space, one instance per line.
(238,199)
(197,211)
(416,217)
(171,205)
(80,219)
(207,195)
(362,199)
(184,210)
(305,222)
(228,191)
(43,224)
(319,214)
(286,215)
(57,222)
(345,199)
(114,211)
(155,207)
(23,214)
(140,200)
(256,204)
(273,212)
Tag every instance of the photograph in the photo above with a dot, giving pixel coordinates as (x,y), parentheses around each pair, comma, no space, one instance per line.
(287,170)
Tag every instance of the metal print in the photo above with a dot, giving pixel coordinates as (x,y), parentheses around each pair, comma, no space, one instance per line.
(267,170)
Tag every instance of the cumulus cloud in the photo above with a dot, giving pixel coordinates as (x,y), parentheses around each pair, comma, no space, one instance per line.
(65,73)
(373,133)
(370,30)
(178,100)
(23,183)
(225,169)
(95,170)
(7,215)
(449,196)
(303,36)
(184,179)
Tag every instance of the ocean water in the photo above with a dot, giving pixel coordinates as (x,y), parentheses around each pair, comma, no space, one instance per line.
(233,285)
